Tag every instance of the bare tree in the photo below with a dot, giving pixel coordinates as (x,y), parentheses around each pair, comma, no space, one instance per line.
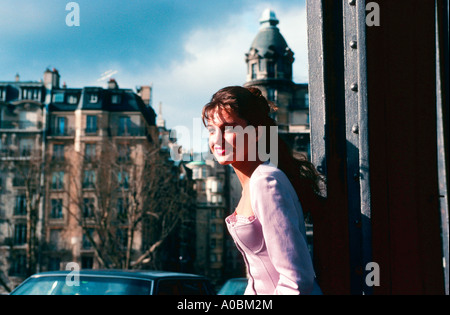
(29,172)
(130,189)
(26,167)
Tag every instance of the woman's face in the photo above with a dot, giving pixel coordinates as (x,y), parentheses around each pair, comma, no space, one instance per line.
(225,129)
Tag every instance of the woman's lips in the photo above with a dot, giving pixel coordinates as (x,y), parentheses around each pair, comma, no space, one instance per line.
(219,150)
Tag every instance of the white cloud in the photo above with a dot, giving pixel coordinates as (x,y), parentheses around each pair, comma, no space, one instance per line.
(216,58)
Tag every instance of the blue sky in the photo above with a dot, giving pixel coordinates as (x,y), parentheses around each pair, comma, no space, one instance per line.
(187,49)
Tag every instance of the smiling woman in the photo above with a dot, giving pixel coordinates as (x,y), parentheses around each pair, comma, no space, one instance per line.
(268,225)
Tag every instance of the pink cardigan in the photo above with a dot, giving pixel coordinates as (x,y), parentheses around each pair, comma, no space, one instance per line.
(273,241)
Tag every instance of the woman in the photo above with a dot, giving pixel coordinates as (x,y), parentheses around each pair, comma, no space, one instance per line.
(268,224)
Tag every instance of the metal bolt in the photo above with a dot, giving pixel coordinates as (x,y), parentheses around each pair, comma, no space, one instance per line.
(355,129)
(354,87)
(353,44)
(352,2)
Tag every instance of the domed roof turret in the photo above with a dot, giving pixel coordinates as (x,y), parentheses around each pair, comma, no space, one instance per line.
(269,36)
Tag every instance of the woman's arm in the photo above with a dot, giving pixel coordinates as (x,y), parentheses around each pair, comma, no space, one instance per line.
(275,207)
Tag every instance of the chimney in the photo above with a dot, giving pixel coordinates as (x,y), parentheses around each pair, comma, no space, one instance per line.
(160,122)
(112,84)
(145,92)
(51,78)
(17,77)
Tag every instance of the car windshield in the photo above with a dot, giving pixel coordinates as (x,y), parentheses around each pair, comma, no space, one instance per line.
(87,285)
(234,287)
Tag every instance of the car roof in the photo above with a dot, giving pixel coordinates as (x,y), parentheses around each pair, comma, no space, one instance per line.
(135,274)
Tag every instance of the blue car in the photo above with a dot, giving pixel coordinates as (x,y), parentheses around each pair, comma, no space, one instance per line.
(114,282)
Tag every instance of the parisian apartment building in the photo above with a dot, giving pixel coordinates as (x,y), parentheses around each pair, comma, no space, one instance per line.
(76,183)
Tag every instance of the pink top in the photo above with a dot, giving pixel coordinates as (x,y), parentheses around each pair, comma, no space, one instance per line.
(273,241)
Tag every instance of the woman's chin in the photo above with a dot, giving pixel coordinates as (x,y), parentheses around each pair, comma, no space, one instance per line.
(223,159)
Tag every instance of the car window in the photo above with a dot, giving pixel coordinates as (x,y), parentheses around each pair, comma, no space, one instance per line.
(56,285)
(234,287)
(181,287)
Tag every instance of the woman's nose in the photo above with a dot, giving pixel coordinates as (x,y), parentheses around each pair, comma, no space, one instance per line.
(216,138)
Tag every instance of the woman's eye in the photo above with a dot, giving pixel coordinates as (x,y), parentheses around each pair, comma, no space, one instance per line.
(229,130)
(211,131)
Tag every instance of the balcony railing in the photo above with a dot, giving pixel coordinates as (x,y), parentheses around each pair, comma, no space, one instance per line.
(128,132)
(13,152)
(57,132)
(20,125)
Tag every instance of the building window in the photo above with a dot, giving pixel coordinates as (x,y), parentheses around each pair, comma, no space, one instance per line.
(58,152)
(306,100)
(31,94)
(60,125)
(20,234)
(55,238)
(253,66)
(216,228)
(116,99)
(91,124)
(89,152)
(18,265)
(123,179)
(124,126)
(19,179)
(122,208)
(25,147)
(88,207)
(124,152)
(56,211)
(214,258)
(89,179)
(270,69)
(72,99)
(93,98)
(20,207)
(87,262)
(87,235)
(54,264)
(271,94)
(58,180)
(58,98)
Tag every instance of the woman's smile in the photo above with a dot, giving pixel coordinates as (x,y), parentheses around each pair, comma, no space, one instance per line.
(219,150)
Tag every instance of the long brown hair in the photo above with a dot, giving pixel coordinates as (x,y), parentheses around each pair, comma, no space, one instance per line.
(250,105)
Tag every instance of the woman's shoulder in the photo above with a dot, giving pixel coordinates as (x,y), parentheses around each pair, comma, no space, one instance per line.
(267,172)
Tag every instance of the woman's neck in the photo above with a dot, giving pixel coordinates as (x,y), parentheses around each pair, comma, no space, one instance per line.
(244,171)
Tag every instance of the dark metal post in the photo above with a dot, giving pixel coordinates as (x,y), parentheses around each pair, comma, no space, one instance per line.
(442,81)
(328,142)
(357,143)
(375,87)
(401,89)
